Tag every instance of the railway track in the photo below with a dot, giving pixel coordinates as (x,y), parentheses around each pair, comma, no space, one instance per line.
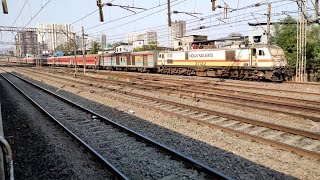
(299,111)
(305,83)
(127,154)
(211,84)
(217,87)
(209,89)
(300,142)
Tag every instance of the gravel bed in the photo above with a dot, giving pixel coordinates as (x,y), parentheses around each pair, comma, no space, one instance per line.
(284,86)
(237,106)
(138,163)
(276,118)
(302,96)
(40,149)
(244,90)
(231,155)
(220,86)
(285,120)
(250,90)
(238,91)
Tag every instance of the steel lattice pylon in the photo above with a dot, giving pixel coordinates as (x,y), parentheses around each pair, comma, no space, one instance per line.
(301,69)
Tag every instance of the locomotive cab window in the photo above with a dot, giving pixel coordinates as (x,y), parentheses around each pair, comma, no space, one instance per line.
(254,52)
(261,53)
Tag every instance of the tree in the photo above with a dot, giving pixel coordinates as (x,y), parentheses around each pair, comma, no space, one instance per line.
(313,48)
(94,48)
(66,48)
(286,37)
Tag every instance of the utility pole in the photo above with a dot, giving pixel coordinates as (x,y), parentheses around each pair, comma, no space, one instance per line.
(268,22)
(75,55)
(317,8)
(169,14)
(83,53)
(301,70)
(4,7)
(99,4)
(213,5)
(226,7)
(18,47)
(128,8)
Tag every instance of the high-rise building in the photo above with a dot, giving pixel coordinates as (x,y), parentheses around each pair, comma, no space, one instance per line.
(26,43)
(79,42)
(103,41)
(53,39)
(177,30)
(147,36)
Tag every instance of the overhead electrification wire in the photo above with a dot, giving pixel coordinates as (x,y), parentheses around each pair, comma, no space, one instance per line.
(87,15)
(220,26)
(250,6)
(123,17)
(129,22)
(37,13)
(229,24)
(24,5)
(22,8)
(42,7)
(193,19)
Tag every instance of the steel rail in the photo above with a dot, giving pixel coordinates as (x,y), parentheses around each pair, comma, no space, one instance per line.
(316,119)
(211,89)
(186,160)
(94,153)
(187,92)
(283,146)
(234,91)
(304,83)
(237,97)
(228,84)
(245,98)
(221,84)
(236,85)
(230,116)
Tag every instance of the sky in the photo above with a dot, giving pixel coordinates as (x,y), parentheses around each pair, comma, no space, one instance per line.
(119,21)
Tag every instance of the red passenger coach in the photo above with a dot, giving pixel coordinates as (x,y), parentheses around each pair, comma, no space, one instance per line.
(50,61)
(92,60)
(30,61)
(62,61)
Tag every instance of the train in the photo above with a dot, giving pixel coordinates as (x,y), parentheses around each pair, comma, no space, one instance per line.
(256,62)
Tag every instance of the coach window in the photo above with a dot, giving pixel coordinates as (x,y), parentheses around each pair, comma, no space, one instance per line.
(261,53)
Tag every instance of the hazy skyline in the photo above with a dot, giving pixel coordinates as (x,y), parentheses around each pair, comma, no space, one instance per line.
(116,27)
